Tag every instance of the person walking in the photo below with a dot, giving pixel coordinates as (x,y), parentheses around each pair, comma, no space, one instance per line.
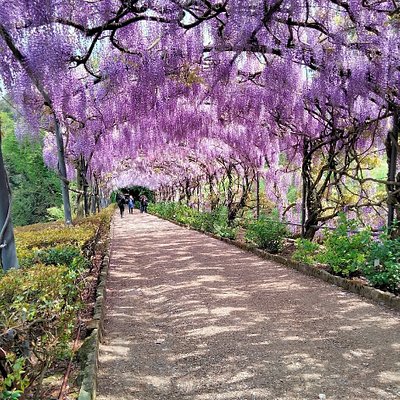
(121,204)
(143,203)
(131,204)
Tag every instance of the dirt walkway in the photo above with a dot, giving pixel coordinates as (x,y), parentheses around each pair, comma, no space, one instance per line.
(192,318)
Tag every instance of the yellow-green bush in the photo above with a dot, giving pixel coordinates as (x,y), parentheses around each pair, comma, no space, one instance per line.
(52,236)
(29,287)
(33,238)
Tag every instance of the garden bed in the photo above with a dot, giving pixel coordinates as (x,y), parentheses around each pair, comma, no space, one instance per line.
(47,307)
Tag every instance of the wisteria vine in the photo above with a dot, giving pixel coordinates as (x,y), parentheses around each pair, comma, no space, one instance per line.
(180,94)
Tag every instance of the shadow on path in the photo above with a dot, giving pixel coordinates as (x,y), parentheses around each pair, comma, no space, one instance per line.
(190,317)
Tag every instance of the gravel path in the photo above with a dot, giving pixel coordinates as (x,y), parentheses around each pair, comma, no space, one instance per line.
(192,318)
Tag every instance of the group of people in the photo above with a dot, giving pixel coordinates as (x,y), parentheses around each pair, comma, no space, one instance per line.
(130,201)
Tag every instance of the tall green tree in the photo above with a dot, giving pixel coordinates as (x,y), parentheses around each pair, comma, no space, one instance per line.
(34,187)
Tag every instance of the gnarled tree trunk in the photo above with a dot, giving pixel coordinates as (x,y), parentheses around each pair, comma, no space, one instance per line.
(393,200)
(7,242)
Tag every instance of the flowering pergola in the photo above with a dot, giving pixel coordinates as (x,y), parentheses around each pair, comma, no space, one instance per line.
(179,93)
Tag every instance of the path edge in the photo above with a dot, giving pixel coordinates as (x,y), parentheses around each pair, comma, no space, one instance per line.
(88,389)
(368,292)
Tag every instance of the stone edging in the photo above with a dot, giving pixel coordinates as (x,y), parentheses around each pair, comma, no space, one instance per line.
(90,346)
(384,298)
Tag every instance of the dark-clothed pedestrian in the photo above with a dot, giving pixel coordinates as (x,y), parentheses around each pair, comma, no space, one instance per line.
(143,203)
(121,204)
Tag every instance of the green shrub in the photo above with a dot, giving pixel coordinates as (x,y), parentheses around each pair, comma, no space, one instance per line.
(207,221)
(214,222)
(38,307)
(16,378)
(58,255)
(346,250)
(63,255)
(55,214)
(202,221)
(382,268)
(220,225)
(226,231)
(163,209)
(306,251)
(185,214)
(268,233)
(175,211)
